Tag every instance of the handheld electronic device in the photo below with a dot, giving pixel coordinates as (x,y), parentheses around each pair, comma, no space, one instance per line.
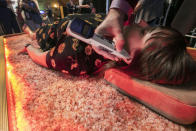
(83,31)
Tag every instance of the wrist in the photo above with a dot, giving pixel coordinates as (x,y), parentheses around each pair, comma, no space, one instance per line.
(117,13)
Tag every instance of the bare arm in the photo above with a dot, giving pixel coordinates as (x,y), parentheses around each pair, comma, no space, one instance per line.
(37,55)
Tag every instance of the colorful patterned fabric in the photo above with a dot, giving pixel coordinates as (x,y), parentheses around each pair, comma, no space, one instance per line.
(67,54)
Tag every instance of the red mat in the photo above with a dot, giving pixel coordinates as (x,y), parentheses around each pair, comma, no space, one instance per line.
(177,104)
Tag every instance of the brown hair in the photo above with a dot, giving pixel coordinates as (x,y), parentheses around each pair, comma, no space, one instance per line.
(165,59)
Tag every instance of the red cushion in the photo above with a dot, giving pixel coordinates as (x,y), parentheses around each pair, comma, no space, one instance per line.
(159,98)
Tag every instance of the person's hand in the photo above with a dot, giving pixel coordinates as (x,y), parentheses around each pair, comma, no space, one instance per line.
(112,27)
(105,54)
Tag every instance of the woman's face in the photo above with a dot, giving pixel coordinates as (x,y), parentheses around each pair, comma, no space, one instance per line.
(136,38)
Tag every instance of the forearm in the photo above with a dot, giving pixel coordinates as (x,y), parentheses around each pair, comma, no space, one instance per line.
(117,13)
(37,55)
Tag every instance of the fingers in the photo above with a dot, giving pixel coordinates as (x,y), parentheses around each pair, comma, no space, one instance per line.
(110,56)
(128,61)
(116,33)
(99,30)
(119,41)
(105,54)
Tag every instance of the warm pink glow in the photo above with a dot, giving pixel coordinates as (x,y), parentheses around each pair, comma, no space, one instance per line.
(16,85)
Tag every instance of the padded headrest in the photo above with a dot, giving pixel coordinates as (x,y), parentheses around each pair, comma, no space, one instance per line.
(175,103)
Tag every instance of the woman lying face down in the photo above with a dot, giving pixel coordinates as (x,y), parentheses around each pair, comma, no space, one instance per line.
(158,54)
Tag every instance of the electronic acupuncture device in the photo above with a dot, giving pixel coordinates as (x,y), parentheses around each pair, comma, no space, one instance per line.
(83,31)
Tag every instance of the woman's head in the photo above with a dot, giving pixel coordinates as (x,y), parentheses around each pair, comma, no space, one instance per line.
(160,55)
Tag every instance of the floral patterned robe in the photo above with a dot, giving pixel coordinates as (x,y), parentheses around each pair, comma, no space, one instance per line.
(67,54)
